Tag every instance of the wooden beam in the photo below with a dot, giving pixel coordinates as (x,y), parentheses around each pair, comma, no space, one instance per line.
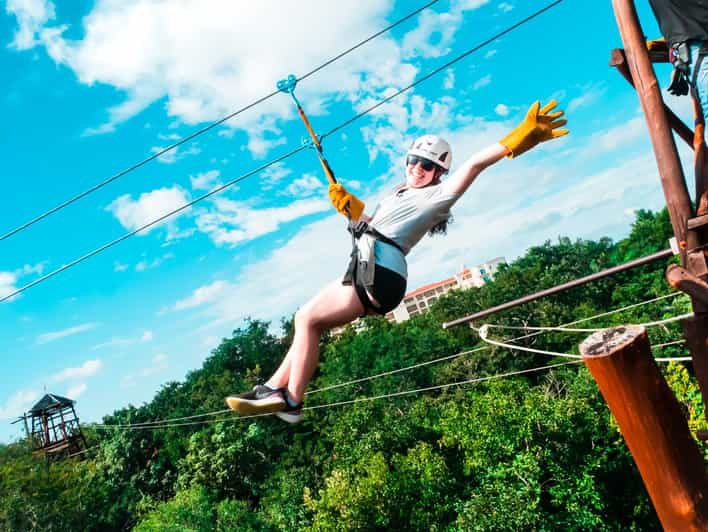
(652,424)
(619,61)
(698,221)
(681,279)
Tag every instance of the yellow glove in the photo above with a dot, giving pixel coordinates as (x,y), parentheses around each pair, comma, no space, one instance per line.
(538,126)
(345,203)
(657,45)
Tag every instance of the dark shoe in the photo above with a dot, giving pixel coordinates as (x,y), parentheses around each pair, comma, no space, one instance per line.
(260,400)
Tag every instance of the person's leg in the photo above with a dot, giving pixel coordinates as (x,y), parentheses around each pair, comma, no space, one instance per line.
(335,305)
(701,77)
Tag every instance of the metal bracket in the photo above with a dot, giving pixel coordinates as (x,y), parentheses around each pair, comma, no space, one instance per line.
(307,143)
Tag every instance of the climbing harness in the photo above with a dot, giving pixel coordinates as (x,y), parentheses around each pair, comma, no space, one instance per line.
(360,273)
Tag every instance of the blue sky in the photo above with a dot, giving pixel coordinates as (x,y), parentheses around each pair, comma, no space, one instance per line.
(91,88)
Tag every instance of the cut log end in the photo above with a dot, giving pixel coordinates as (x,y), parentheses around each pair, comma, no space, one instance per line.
(606,341)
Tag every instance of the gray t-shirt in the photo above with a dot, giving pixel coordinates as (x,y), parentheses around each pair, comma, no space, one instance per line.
(405,216)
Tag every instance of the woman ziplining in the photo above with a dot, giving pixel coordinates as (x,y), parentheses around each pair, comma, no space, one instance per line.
(375,281)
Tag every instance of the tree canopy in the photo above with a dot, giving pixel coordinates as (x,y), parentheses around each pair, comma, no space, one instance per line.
(537,452)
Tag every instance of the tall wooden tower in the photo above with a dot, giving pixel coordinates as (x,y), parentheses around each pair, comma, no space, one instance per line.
(53,428)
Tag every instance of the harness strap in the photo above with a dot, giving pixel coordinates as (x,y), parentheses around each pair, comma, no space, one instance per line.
(357,229)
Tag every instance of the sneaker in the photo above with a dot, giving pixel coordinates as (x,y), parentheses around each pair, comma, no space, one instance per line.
(260,400)
(291,414)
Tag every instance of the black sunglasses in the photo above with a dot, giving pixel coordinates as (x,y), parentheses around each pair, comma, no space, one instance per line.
(427,164)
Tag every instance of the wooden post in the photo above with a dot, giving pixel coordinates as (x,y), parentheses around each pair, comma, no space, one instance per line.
(672,179)
(652,424)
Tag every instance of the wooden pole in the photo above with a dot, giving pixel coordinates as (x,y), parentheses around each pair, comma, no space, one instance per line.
(642,72)
(652,424)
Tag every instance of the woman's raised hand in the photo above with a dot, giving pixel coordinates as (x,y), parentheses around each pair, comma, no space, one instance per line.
(539,126)
(345,202)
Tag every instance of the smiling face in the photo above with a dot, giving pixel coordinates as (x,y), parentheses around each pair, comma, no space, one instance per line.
(420,172)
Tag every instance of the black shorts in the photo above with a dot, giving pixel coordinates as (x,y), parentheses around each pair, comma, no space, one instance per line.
(388,290)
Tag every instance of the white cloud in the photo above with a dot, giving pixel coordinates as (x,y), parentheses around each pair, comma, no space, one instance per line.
(205,180)
(150,206)
(306,185)
(52,336)
(590,94)
(118,267)
(147,336)
(232,222)
(37,269)
(432,36)
(145,264)
(77,390)
(87,369)
(159,364)
(18,403)
(490,53)
(31,15)
(8,282)
(202,295)
(482,82)
(617,137)
(175,154)
(501,110)
(206,66)
(505,7)
(449,81)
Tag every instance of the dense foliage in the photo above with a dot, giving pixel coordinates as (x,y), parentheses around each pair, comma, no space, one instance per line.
(533,452)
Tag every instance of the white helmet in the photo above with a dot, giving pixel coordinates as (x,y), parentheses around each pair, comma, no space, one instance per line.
(433,148)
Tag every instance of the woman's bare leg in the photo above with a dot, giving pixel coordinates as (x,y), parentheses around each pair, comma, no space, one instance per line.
(335,305)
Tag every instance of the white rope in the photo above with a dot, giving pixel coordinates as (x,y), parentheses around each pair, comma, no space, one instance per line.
(568,329)
(675,342)
(483,332)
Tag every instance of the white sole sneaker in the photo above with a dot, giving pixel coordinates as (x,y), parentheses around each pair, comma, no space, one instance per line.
(249,407)
(290,417)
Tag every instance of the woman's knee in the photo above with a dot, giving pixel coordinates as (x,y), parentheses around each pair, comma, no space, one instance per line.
(305,318)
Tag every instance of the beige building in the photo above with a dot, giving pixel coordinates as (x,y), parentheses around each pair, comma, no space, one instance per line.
(419,300)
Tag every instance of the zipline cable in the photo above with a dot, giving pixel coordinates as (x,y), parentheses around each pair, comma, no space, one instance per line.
(204,129)
(149,224)
(273,161)
(357,400)
(429,362)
